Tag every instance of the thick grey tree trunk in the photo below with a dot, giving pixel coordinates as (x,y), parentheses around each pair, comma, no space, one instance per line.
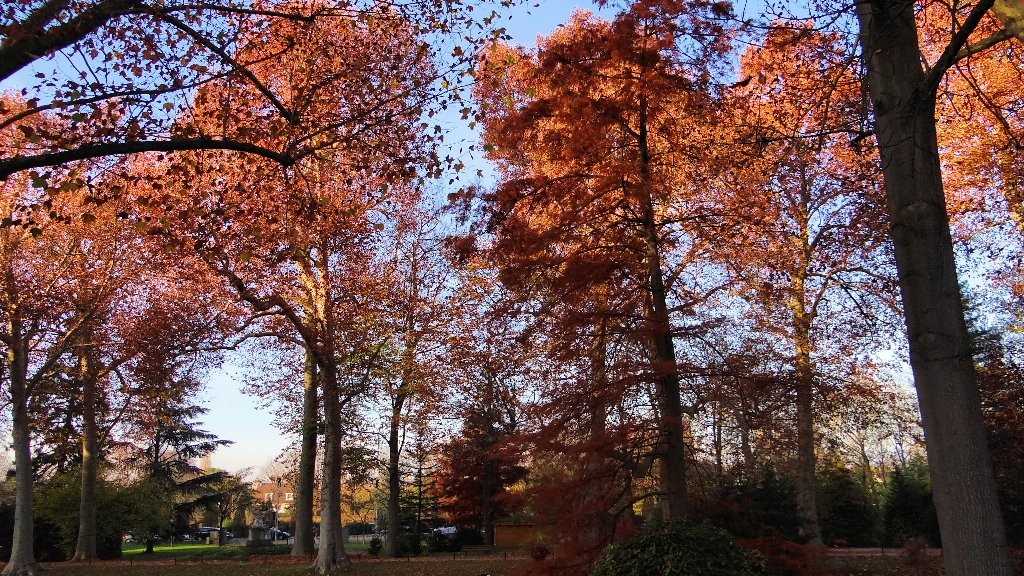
(806,483)
(23,561)
(304,542)
(963,484)
(85,547)
(331,557)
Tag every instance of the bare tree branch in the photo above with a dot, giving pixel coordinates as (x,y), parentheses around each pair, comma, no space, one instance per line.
(231,62)
(983,45)
(30,40)
(237,10)
(959,40)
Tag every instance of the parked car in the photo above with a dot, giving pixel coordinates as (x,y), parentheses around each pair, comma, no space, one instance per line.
(275,534)
(204,532)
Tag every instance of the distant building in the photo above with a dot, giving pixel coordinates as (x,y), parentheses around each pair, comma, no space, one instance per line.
(278,496)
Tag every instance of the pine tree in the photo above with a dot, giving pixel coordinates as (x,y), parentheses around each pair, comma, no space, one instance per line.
(174,443)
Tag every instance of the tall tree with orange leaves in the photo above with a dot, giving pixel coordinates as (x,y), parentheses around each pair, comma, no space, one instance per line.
(490,367)
(160,309)
(801,220)
(594,135)
(416,314)
(84,324)
(301,243)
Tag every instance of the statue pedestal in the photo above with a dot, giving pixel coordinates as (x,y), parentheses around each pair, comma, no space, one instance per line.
(257,534)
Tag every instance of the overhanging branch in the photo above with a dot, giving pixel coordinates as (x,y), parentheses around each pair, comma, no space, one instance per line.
(30,40)
(9,166)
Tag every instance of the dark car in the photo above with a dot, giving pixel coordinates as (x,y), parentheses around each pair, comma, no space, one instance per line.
(275,534)
(204,532)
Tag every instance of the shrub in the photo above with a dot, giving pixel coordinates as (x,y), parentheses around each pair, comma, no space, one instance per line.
(439,542)
(788,558)
(409,545)
(751,506)
(470,536)
(56,516)
(679,548)
(108,545)
(375,546)
(265,548)
(47,541)
(847,516)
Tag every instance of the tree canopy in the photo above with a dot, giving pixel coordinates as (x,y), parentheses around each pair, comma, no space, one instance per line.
(706,261)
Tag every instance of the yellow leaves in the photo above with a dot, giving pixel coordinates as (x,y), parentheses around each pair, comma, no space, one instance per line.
(1011,15)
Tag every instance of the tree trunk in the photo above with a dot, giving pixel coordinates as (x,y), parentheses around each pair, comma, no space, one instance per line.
(593,523)
(331,556)
(403,393)
(85,547)
(394,475)
(487,489)
(304,543)
(23,561)
(670,411)
(222,515)
(806,485)
(745,448)
(867,479)
(716,435)
(940,354)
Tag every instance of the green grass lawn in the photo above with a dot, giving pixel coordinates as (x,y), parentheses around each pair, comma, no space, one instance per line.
(184,551)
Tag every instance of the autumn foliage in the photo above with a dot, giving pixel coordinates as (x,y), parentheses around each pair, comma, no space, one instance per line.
(682,293)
